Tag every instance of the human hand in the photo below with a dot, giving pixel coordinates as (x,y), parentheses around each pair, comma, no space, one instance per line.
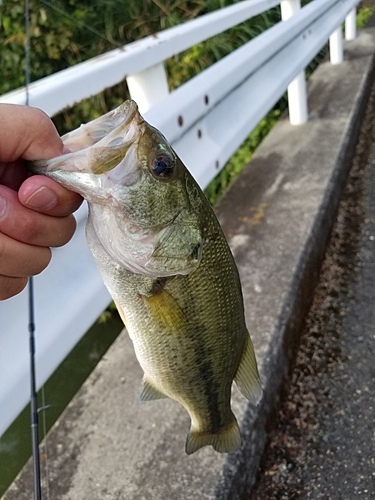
(35,211)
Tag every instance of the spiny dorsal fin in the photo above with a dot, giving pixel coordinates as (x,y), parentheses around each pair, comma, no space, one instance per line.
(247,376)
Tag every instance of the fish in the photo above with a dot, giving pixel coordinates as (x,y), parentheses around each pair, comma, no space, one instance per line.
(165,260)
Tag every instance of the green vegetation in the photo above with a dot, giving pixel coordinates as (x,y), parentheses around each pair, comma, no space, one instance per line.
(363,16)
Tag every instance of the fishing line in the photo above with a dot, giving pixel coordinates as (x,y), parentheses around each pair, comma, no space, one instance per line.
(33,393)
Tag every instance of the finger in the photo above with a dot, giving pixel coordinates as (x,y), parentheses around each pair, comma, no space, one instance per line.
(9,287)
(28,133)
(19,260)
(13,174)
(30,227)
(47,196)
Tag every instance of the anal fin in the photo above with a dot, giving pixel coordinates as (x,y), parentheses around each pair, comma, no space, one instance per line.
(149,392)
(247,376)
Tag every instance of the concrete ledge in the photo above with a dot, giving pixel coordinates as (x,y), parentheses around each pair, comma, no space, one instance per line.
(278,217)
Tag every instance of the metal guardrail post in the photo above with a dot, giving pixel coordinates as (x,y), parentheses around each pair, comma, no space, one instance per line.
(297,95)
(350,25)
(336,39)
(336,50)
(148,87)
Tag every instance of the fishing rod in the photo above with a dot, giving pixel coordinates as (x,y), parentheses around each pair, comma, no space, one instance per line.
(34,398)
(33,392)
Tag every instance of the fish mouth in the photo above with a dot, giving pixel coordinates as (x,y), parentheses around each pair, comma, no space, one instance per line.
(96,147)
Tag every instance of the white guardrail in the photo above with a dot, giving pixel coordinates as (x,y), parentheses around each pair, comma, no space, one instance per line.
(206,120)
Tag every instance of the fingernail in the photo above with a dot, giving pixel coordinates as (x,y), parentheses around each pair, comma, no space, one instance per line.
(3,206)
(43,198)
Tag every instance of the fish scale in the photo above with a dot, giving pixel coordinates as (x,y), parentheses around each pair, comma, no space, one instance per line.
(165,261)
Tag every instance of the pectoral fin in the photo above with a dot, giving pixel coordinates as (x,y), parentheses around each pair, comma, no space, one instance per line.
(149,392)
(122,314)
(166,312)
(247,376)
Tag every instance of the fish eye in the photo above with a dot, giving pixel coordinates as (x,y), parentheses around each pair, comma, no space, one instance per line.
(163,166)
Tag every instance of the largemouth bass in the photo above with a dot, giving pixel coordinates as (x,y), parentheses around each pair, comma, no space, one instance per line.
(166,263)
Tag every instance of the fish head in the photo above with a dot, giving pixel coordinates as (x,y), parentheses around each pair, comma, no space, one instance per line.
(144,206)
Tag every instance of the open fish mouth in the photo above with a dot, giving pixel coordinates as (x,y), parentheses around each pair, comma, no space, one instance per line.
(98,146)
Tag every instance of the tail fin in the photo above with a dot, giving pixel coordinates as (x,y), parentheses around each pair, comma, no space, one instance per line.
(227,439)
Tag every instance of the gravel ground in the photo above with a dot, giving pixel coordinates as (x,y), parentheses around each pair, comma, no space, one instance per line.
(323,442)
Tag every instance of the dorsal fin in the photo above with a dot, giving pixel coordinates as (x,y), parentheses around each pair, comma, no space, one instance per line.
(247,376)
